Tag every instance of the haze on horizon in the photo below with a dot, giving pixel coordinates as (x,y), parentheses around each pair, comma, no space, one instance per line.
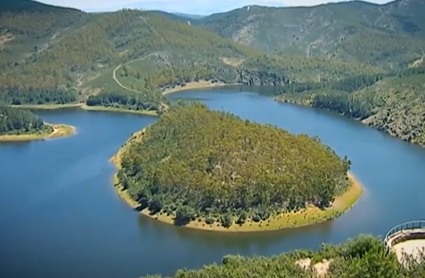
(199,7)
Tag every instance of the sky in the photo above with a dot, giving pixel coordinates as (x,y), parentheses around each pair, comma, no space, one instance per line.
(201,7)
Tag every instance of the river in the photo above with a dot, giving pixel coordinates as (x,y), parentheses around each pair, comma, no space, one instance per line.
(60,216)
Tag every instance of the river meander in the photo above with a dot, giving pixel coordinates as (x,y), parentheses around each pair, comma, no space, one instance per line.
(60,215)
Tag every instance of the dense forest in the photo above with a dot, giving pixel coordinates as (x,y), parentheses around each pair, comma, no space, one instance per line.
(128,100)
(363,256)
(20,121)
(55,96)
(196,163)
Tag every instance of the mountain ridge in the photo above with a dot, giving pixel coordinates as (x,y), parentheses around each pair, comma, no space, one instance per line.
(323,29)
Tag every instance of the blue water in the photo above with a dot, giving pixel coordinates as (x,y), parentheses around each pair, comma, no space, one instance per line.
(60,216)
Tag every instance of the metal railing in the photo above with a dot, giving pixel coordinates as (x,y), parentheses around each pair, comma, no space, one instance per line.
(407,226)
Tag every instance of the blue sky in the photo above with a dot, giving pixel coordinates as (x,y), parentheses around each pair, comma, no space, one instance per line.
(182,6)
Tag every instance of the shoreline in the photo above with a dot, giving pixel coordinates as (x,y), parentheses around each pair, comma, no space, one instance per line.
(306,217)
(59,131)
(117,110)
(85,107)
(47,106)
(194,86)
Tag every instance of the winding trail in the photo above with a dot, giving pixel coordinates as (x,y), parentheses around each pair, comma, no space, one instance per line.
(114,76)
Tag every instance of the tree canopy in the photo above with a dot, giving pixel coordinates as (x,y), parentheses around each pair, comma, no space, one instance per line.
(363,256)
(196,162)
(19,121)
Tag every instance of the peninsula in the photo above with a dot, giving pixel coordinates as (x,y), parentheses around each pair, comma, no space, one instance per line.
(22,125)
(213,171)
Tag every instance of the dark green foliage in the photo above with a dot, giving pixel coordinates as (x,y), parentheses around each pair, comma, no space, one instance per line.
(242,218)
(363,256)
(128,100)
(226,220)
(218,164)
(209,220)
(53,96)
(19,121)
(344,104)
(184,215)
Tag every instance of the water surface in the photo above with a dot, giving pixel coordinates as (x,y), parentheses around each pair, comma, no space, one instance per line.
(60,216)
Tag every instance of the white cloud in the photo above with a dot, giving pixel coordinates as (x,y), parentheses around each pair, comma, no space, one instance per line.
(186,6)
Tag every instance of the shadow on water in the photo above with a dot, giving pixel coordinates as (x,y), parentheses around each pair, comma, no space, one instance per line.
(210,239)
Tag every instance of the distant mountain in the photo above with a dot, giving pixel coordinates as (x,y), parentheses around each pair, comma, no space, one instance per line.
(191,16)
(186,7)
(27,5)
(390,35)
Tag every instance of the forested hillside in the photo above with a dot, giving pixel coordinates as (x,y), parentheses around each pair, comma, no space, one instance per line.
(214,166)
(56,55)
(390,35)
(393,102)
(363,256)
(19,121)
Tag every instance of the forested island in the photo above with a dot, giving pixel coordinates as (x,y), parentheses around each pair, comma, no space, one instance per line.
(363,256)
(213,170)
(22,125)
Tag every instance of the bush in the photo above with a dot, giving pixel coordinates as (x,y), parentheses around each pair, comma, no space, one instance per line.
(226,220)
(210,220)
(184,215)
(242,218)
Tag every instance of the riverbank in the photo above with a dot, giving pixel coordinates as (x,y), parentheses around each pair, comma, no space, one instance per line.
(117,110)
(194,86)
(59,130)
(47,106)
(305,217)
(85,107)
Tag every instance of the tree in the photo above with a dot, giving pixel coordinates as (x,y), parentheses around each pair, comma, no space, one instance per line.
(226,220)
(184,215)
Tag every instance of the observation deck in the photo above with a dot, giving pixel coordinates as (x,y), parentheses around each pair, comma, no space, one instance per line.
(407,239)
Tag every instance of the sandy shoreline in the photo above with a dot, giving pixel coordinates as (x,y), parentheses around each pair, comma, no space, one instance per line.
(306,217)
(59,130)
(195,85)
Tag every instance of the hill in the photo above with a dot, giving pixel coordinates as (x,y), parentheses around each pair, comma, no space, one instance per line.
(214,167)
(394,102)
(56,55)
(358,257)
(390,35)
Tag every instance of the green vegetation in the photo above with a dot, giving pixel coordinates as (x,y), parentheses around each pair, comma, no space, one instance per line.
(363,256)
(18,121)
(195,163)
(125,59)
(23,125)
(125,100)
(390,35)
(393,102)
